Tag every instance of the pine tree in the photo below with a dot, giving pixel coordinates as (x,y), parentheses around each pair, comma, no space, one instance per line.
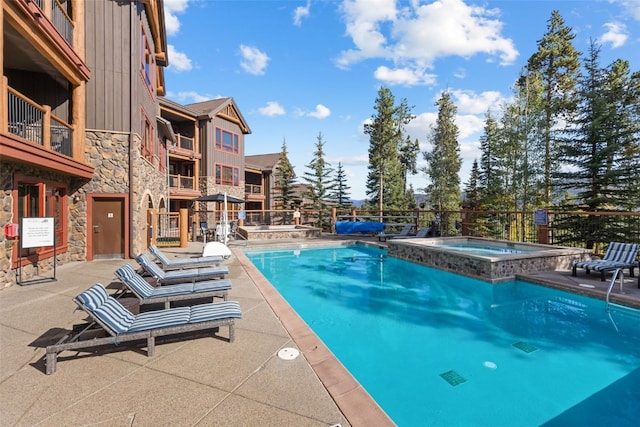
(284,179)
(341,193)
(320,183)
(444,162)
(385,182)
(472,191)
(489,179)
(556,64)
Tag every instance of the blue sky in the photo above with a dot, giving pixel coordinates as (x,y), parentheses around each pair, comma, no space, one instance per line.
(299,68)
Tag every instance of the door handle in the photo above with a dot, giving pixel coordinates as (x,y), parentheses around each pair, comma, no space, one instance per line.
(96,229)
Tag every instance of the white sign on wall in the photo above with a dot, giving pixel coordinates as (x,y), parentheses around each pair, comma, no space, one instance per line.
(37,232)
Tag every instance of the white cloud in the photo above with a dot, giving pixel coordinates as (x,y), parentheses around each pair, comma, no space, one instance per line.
(470,102)
(404,76)
(412,37)
(321,112)
(188,97)
(171,9)
(301,12)
(253,61)
(178,61)
(632,8)
(616,34)
(271,109)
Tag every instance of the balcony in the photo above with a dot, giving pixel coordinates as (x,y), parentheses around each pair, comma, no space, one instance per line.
(37,124)
(59,17)
(181,182)
(252,189)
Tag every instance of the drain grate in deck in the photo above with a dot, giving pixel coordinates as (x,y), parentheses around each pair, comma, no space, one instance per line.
(453,378)
(525,346)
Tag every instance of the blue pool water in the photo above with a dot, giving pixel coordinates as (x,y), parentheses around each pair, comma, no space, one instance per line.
(438,349)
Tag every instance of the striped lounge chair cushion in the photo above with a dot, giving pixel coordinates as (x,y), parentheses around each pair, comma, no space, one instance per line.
(193,288)
(214,311)
(113,315)
(150,266)
(93,297)
(160,319)
(618,255)
(160,255)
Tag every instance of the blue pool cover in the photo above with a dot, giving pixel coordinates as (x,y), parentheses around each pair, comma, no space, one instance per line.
(352,227)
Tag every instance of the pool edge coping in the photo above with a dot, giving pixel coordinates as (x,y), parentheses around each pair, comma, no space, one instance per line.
(355,403)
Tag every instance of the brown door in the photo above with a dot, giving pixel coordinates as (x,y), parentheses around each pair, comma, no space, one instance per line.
(108,228)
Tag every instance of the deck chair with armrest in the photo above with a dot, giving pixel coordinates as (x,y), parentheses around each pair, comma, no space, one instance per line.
(147,294)
(382,236)
(618,255)
(162,277)
(119,325)
(422,233)
(179,263)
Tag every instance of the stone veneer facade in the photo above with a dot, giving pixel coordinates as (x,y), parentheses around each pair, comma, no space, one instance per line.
(492,269)
(108,153)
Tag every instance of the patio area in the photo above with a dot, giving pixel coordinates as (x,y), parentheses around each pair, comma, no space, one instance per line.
(192,381)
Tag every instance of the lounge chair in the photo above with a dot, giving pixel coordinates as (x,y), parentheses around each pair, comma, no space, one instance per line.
(120,325)
(618,255)
(382,236)
(180,276)
(147,294)
(179,263)
(422,233)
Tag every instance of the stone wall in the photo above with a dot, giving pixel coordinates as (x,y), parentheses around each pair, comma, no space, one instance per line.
(8,276)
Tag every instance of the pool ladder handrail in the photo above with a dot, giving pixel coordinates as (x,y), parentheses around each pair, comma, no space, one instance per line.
(617,272)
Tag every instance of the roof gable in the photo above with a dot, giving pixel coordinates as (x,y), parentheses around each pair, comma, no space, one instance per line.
(224,108)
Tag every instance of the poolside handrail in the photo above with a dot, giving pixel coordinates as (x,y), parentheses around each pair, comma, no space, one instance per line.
(613,281)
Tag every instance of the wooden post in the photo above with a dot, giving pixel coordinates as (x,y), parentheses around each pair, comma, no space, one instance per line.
(184,227)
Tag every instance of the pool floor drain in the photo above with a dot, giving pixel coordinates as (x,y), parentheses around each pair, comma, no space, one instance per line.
(453,378)
(288,353)
(525,346)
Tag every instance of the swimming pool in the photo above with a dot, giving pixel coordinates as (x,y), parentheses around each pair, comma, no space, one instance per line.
(435,348)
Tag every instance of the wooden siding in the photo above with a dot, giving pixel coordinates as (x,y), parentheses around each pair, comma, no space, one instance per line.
(42,89)
(113,54)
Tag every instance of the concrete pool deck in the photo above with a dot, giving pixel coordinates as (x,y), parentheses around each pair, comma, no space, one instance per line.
(199,381)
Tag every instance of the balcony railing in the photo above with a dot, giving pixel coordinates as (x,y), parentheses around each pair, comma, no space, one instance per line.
(185,142)
(35,123)
(181,182)
(252,189)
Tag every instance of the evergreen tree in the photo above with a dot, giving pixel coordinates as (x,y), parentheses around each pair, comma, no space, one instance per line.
(599,149)
(385,182)
(489,176)
(284,179)
(320,183)
(341,189)
(556,64)
(444,162)
(472,191)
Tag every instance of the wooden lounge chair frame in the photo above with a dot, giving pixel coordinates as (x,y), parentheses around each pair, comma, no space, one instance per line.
(618,255)
(180,276)
(166,295)
(76,341)
(180,263)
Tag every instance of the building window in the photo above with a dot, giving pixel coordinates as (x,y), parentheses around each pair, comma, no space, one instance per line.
(147,64)
(227,141)
(227,175)
(39,200)
(148,139)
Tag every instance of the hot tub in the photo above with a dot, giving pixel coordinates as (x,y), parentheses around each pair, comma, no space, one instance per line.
(486,259)
(272,232)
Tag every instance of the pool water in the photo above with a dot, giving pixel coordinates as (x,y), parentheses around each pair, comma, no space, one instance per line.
(438,349)
(484,249)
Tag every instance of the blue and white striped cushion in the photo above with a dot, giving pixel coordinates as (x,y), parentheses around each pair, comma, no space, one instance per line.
(161,256)
(214,311)
(624,253)
(212,285)
(140,286)
(151,266)
(197,272)
(93,297)
(125,272)
(115,316)
(161,319)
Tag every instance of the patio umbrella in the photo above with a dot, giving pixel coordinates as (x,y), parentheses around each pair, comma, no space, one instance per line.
(225,222)
(220,197)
